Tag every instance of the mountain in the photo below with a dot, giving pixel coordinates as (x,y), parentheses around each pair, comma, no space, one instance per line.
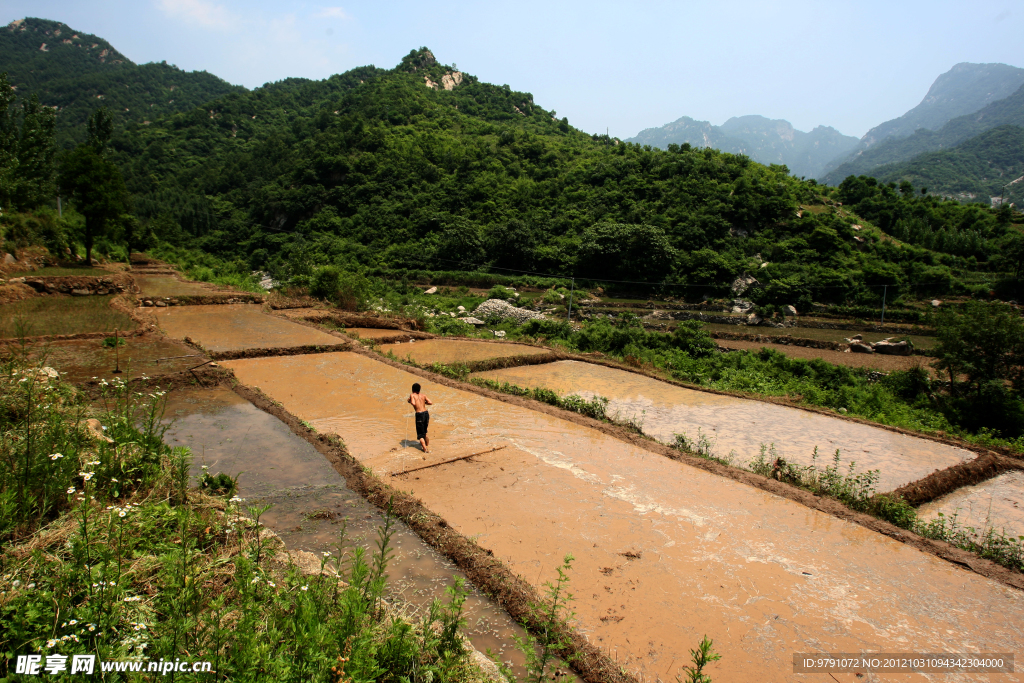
(988,165)
(764,140)
(1008,111)
(78,73)
(965,89)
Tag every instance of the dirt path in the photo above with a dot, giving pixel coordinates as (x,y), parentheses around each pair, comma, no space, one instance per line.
(665,552)
(875,361)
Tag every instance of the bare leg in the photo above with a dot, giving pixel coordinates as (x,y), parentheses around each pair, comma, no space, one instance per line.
(426,441)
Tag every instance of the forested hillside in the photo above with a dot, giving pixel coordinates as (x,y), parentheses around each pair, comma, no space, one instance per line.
(764,140)
(78,73)
(1007,111)
(422,167)
(983,167)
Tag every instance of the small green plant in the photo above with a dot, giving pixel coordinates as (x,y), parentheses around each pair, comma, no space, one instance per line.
(550,622)
(702,447)
(219,484)
(113,342)
(701,657)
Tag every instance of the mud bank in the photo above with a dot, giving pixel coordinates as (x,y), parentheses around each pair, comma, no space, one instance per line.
(665,552)
(312,505)
(737,428)
(235,327)
(997,504)
(449,351)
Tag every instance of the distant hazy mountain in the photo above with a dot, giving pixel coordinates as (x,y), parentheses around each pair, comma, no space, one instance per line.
(985,166)
(964,89)
(78,73)
(1004,112)
(764,140)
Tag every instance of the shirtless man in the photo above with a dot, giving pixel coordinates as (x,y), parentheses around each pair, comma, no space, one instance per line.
(420,402)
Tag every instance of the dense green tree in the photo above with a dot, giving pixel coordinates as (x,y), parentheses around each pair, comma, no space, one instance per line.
(983,342)
(96,187)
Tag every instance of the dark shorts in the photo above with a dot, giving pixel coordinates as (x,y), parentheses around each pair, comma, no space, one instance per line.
(422,421)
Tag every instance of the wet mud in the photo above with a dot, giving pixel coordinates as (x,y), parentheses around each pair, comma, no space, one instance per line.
(377,333)
(86,359)
(447,351)
(736,428)
(665,552)
(171,286)
(312,506)
(997,504)
(234,327)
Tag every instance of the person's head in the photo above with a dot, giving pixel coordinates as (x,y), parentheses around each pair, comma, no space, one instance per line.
(416,388)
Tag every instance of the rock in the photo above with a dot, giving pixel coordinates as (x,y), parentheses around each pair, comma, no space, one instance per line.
(16,280)
(37,285)
(147,302)
(161,304)
(741,305)
(80,292)
(789,310)
(472,321)
(462,309)
(498,333)
(889,348)
(857,337)
(9,260)
(96,430)
(858,347)
(742,283)
(101,292)
(503,309)
(753,319)
(432,290)
(936,303)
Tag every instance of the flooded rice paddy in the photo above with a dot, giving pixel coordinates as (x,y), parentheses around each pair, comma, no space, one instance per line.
(665,553)
(55,315)
(234,327)
(81,360)
(429,351)
(169,285)
(737,427)
(997,503)
(312,504)
(918,340)
(373,332)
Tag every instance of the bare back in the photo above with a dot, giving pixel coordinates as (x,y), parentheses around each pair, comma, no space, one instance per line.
(420,402)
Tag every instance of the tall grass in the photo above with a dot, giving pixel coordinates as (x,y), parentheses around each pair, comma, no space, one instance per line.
(48,315)
(112,553)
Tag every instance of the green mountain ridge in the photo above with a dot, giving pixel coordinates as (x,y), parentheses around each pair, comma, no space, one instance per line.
(78,73)
(1007,111)
(975,170)
(764,140)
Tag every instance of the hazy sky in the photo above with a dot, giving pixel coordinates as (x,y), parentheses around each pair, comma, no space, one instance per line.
(624,66)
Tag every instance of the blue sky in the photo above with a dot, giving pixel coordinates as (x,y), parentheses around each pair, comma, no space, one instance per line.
(620,66)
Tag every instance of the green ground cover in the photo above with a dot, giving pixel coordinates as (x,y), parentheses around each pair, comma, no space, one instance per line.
(49,315)
(61,271)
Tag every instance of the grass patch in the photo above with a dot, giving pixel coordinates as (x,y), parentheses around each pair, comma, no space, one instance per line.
(41,316)
(61,271)
(106,551)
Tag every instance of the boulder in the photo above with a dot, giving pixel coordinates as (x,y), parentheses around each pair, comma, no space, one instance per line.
(80,292)
(742,283)
(498,333)
(147,302)
(503,309)
(789,310)
(753,319)
(462,308)
(858,347)
(472,321)
(16,281)
(889,348)
(9,260)
(432,290)
(936,303)
(741,305)
(37,285)
(161,304)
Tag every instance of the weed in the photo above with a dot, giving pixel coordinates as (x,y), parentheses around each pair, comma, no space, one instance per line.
(701,657)
(703,447)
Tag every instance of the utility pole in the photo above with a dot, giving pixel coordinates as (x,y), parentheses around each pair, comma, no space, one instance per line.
(571,291)
(885,290)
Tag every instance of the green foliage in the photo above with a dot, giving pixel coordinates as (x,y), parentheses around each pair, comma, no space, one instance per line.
(350,291)
(984,341)
(550,620)
(27,152)
(700,658)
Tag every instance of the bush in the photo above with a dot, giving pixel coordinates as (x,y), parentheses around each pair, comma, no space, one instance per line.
(502,293)
(350,291)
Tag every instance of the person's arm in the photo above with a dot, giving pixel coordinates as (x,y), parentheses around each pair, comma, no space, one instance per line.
(427,401)
(409,400)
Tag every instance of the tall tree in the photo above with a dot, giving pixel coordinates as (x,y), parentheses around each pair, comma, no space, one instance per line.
(37,153)
(93,183)
(8,142)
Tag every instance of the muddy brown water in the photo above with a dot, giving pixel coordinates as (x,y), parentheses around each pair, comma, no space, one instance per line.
(312,504)
(234,327)
(81,360)
(737,427)
(665,553)
(994,504)
(428,351)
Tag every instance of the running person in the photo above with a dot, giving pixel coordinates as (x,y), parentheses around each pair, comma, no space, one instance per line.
(420,402)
